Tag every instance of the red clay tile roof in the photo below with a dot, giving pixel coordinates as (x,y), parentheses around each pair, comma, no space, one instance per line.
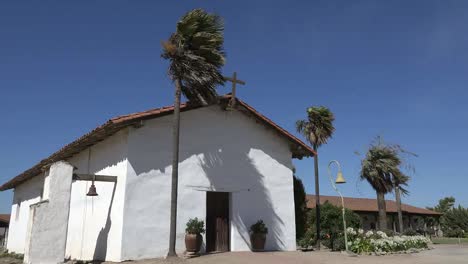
(5,218)
(368,205)
(299,148)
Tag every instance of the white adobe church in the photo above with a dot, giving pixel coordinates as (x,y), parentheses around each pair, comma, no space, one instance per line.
(235,167)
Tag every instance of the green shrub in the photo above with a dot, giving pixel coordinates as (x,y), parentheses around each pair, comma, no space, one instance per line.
(410,232)
(331,224)
(195,226)
(389,232)
(259,228)
(308,239)
(5,254)
(457,232)
(300,207)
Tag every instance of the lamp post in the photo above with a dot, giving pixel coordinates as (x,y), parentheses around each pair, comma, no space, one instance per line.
(339,180)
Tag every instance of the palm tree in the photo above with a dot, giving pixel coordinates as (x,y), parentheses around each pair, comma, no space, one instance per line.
(196,55)
(399,181)
(317,129)
(379,167)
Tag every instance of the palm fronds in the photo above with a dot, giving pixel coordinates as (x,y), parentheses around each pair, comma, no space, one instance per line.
(379,166)
(318,128)
(196,54)
(387,161)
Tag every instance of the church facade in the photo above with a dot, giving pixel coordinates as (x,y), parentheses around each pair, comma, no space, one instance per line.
(237,160)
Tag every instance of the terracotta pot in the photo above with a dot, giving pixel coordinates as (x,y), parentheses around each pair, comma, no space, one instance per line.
(258,241)
(193,242)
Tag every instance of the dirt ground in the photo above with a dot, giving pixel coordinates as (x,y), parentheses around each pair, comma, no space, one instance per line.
(441,254)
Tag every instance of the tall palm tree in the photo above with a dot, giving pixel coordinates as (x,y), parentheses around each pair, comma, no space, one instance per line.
(317,129)
(378,167)
(196,55)
(399,181)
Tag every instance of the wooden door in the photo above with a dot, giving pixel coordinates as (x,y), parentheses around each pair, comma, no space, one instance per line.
(217,222)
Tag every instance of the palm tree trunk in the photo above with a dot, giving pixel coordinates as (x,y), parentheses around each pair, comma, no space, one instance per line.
(382,211)
(175,170)
(317,197)
(398,204)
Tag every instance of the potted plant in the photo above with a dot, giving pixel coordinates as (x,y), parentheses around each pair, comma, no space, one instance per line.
(258,232)
(193,237)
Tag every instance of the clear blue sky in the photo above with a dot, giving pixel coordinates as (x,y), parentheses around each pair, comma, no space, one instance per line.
(394,68)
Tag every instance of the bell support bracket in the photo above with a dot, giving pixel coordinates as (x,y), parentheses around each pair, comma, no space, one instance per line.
(89,177)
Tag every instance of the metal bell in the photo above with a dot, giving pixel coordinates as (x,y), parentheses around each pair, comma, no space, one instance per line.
(92,191)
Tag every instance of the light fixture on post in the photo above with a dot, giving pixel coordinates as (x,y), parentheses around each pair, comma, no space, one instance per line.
(339,180)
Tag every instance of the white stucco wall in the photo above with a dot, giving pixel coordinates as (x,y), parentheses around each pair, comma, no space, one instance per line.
(95,224)
(24,195)
(220,151)
(49,218)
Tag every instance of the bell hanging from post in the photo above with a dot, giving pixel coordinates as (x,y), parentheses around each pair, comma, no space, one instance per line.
(339,178)
(92,190)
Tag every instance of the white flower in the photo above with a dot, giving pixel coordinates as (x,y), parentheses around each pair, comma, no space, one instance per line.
(369,233)
(350,231)
(382,234)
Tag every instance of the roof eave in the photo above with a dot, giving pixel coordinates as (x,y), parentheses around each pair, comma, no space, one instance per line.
(298,148)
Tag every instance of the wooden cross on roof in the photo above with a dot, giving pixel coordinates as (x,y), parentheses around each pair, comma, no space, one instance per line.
(234,81)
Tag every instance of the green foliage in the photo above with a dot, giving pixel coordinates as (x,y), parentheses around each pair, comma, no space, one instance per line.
(5,254)
(410,232)
(389,232)
(331,225)
(195,226)
(381,169)
(259,228)
(196,55)
(318,127)
(454,221)
(378,167)
(457,232)
(308,239)
(300,206)
(445,204)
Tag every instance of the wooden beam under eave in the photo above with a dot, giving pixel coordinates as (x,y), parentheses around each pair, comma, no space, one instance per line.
(90,177)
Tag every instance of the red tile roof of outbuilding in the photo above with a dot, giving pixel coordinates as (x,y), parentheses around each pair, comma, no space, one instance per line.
(368,205)
(5,218)
(299,148)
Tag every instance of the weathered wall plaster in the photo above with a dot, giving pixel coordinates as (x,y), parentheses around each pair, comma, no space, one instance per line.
(50,218)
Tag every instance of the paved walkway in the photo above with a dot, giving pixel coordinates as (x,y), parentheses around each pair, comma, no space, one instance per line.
(442,254)
(452,254)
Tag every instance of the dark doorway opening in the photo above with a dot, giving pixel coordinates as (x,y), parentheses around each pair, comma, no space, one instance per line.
(217,222)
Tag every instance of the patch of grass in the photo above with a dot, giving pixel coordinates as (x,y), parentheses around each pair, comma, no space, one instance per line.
(449,240)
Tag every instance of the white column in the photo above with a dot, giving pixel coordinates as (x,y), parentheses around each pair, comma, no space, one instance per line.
(49,218)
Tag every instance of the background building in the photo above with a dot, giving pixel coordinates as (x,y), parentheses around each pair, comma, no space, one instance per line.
(414,218)
(4,222)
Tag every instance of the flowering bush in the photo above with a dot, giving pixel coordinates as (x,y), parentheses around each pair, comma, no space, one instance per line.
(379,242)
